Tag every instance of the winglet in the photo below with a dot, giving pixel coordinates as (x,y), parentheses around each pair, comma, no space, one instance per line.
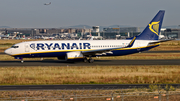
(131,43)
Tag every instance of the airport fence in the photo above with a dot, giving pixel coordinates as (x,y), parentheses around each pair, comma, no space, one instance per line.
(107,95)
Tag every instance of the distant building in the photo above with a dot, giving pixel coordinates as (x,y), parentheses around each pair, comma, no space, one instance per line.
(111,29)
(95,28)
(123,29)
(124,32)
(130,29)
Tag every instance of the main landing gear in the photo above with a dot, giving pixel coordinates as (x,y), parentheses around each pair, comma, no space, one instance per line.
(90,60)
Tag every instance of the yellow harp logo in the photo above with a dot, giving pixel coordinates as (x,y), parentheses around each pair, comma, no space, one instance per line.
(154,27)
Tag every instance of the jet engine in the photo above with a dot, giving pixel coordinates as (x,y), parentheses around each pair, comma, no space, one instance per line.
(74,56)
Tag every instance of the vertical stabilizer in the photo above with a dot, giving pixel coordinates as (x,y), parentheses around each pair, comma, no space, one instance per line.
(151,32)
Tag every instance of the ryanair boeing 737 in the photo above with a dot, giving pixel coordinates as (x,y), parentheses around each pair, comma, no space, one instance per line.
(86,49)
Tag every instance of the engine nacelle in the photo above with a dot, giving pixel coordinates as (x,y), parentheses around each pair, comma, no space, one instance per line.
(61,58)
(74,56)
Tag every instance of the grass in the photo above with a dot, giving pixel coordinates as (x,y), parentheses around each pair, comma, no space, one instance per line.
(144,56)
(170,45)
(89,75)
(11,42)
(7,57)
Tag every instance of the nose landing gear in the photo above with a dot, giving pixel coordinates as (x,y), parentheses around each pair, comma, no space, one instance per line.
(22,61)
(21,58)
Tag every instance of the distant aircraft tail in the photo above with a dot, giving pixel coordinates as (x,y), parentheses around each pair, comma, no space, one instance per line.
(151,32)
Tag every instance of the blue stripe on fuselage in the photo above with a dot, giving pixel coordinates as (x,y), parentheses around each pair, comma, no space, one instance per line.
(63,54)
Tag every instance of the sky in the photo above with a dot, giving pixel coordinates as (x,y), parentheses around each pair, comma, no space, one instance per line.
(62,13)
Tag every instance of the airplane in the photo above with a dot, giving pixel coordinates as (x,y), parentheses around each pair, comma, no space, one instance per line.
(47,3)
(86,49)
(4,36)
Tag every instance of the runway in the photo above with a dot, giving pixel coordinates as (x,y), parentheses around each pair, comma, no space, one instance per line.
(96,62)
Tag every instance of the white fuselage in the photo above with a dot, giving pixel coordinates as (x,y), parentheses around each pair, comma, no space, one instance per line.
(36,47)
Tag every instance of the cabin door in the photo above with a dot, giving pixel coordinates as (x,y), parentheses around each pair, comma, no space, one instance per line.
(26,47)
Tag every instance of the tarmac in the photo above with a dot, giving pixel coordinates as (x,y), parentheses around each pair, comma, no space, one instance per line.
(96,62)
(81,86)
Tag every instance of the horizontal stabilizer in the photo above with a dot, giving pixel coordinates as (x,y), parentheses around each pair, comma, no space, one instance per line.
(160,41)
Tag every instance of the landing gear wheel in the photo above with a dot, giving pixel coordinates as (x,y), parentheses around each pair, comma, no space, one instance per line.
(91,60)
(85,60)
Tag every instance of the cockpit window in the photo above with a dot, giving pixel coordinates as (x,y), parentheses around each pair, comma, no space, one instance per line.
(15,47)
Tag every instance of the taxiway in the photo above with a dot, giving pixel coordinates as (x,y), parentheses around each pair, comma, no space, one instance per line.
(96,62)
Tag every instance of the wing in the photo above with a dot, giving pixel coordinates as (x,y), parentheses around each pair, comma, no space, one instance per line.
(107,50)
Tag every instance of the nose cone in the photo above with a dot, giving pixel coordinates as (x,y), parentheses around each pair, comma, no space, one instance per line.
(8,51)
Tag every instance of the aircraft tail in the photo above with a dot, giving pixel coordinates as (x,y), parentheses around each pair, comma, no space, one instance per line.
(151,32)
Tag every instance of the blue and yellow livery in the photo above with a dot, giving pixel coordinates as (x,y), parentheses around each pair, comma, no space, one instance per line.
(85,49)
